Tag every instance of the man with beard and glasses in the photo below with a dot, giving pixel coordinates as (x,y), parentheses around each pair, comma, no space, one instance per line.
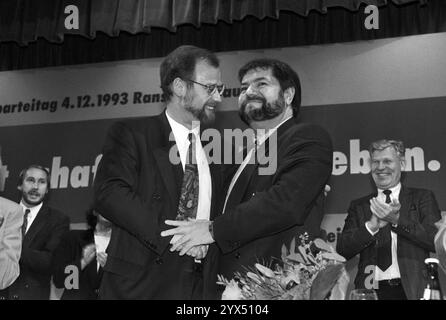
(392,229)
(83,250)
(42,230)
(261,212)
(155,169)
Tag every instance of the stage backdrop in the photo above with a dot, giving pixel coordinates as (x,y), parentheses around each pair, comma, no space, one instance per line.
(359,92)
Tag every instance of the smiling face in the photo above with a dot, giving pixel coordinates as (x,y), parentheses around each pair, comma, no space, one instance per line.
(261,97)
(386,167)
(198,102)
(34,186)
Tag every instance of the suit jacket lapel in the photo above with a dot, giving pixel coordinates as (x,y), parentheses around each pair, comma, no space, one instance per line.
(239,190)
(404,198)
(172,174)
(36,226)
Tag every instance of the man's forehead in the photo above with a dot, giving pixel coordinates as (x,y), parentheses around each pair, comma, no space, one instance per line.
(388,152)
(258,73)
(205,71)
(35,172)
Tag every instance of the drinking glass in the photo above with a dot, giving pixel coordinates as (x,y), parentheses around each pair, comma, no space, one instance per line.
(363,294)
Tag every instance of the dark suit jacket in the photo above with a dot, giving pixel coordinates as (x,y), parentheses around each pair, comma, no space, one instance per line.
(137,188)
(264,212)
(38,245)
(415,237)
(69,252)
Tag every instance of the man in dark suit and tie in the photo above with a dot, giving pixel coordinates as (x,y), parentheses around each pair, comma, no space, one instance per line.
(392,229)
(42,230)
(155,169)
(263,209)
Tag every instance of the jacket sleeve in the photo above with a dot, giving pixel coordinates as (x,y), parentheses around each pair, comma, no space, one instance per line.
(10,246)
(116,184)
(65,255)
(418,225)
(354,237)
(301,175)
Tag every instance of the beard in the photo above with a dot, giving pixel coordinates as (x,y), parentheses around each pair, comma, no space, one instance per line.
(203,114)
(33,202)
(267,110)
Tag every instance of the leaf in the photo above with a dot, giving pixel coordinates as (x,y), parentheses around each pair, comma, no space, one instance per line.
(254,277)
(284,252)
(265,271)
(322,245)
(303,254)
(325,281)
(293,246)
(339,290)
(333,256)
(296,257)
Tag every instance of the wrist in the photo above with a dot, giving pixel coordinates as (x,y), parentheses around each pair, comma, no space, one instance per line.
(372,227)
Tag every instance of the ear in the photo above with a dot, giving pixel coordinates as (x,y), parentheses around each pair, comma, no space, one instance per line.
(403,164)
(20,188)
(288,95)
(179,87)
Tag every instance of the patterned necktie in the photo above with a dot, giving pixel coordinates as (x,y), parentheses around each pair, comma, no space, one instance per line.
(187,206)
(385,245)
(25,222)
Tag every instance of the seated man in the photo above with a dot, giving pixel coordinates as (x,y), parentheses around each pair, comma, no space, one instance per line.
(392,229)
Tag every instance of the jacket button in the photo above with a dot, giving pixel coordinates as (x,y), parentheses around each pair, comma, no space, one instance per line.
(159,261)
(156,196)
(237,255)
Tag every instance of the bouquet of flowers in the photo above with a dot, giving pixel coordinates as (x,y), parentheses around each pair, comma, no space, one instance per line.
(310,271)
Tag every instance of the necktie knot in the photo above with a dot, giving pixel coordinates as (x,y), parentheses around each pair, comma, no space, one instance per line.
(387,194)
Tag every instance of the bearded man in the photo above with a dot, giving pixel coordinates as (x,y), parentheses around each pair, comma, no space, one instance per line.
(141,182)
(262,211)
(42,229)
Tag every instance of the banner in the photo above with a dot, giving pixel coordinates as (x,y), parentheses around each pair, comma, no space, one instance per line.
(72,150)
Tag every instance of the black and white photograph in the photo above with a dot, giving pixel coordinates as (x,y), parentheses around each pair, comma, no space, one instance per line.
(222,154)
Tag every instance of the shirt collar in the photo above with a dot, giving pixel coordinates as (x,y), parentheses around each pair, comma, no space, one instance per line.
(395,190)
(180,131)
(33,210)
(262,135)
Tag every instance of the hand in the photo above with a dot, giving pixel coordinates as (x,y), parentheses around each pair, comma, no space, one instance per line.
(389,212)
(198,252)
(194,232)
(375,223)
(88,254)
(102,258)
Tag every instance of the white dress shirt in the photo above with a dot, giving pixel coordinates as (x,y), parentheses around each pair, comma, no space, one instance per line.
(393,271)
(101,242)
(32,214)
(181,133)
(261,137)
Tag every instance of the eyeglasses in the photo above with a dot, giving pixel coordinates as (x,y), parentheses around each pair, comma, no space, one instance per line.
(211,88)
